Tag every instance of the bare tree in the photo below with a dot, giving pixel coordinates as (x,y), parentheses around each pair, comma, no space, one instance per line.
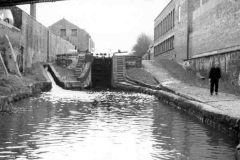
(143,42)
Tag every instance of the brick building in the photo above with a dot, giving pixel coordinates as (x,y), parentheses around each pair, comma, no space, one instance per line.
(164,32)
(77,36)
(198,32)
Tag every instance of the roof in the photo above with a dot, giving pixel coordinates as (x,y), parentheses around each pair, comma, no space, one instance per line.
(63,20)
(6,3)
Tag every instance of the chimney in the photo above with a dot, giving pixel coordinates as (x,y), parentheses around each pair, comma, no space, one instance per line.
(33,10)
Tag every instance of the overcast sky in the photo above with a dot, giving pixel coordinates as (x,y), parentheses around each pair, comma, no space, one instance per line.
(112,24)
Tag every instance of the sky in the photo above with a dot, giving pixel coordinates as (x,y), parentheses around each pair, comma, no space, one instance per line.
(113,24)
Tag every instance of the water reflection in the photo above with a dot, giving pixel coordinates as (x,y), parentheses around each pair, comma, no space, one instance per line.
(106,125)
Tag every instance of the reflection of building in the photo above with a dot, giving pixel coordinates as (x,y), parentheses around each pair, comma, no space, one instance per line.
(74,34)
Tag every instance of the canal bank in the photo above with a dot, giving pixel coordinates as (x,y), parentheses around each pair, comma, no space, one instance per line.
(221,112)
(13,88)
(204,112)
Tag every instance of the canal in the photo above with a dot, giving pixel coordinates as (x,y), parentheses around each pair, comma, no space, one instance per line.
(106,125)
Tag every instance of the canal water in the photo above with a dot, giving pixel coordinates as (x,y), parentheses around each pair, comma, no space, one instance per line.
(106,125)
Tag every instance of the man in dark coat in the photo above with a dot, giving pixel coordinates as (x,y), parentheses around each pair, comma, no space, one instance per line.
(214,76)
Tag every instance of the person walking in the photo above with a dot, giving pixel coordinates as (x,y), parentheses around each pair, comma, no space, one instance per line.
(214,76)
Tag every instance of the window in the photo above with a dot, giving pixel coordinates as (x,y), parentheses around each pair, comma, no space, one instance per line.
(173,17)
(161,29)
(171,20)
(201,3)
(74,33)
(63,32)
(155,33)
(179,13)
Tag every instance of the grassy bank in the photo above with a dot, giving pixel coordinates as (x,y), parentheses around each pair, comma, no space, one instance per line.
(12,84)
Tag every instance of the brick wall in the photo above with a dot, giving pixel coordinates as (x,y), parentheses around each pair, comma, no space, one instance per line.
(215,26)
(167,55)
(215,37)
(183,28)
(181,31)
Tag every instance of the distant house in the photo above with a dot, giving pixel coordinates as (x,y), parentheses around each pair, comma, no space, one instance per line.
(77,36)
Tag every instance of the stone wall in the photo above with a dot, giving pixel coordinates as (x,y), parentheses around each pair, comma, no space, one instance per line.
(229,64)
(34,40)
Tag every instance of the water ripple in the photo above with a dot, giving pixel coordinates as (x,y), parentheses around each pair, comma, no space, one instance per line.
(97,125)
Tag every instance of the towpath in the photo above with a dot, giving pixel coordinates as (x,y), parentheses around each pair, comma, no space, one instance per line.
(228,104)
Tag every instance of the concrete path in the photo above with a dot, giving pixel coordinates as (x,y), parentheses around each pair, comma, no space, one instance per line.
(225,103)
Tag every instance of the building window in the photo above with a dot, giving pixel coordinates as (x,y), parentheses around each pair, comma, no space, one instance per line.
(201,3)
(155,33)
(63,32)
(179,13)
(173,17)
(74,33)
